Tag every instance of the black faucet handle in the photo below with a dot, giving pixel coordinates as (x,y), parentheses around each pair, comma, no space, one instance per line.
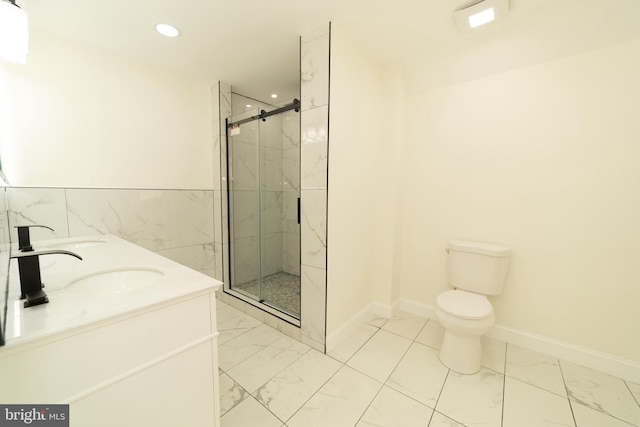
(30,279)
(24,240)
(33,253)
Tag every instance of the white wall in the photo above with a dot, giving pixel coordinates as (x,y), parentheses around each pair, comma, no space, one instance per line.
(544,159)
(80,117)
(359,239)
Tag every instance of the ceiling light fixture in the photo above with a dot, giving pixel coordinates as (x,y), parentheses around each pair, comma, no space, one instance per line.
(482,18)
(167,30)
(14,32)
(274,95)
(481,13)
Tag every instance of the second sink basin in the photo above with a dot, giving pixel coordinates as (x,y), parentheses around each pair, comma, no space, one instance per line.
(114,281)
(74,245)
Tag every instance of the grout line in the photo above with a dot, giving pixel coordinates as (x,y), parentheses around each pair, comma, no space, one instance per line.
(573,415)
(316,392)
(267,381)
(566,389)
(564,382)
(399,360)
(458,423)
(260,403)
(572,402)
(268,410)
(524,381)
(504,382)
(402,336)
(632,395)
(360,348)
(262,347)
(236,384)
(385,383)
(369,405)
(440,395)
(431,417)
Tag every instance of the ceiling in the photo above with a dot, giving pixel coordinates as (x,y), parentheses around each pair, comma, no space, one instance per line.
(254,44)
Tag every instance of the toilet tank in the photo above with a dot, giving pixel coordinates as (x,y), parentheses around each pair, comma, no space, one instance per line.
(477,267)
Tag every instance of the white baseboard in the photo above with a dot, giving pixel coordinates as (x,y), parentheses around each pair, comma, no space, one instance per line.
(413,307)
(603,362)
(599,361)
(365,315)
(381,310)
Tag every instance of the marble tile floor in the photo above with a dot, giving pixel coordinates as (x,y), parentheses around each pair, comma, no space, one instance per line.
(388,374)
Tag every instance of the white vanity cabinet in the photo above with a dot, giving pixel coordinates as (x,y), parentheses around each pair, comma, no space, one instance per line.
(154,365)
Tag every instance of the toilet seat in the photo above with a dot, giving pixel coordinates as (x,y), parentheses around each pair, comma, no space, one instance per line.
(463,304)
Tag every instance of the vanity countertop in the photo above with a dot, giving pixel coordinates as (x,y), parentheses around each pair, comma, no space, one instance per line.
(136,280)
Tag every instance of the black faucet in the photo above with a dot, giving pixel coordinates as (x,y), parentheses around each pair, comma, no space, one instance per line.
(30,279)
(24,240)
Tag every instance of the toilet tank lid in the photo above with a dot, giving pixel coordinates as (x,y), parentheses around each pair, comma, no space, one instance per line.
(490,249)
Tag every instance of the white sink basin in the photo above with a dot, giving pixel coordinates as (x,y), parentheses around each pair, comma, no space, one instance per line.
(75,245)
(114,281)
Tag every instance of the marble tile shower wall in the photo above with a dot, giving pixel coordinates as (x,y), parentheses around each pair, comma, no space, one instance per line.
(177,224)
(314,71)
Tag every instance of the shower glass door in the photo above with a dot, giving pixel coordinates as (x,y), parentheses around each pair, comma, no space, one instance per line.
(264,229)
(244,210)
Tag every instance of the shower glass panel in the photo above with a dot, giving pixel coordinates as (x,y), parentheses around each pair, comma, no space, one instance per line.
(264,229)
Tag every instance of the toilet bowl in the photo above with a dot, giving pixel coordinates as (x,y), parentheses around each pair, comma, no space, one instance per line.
(474,270)
(465,317)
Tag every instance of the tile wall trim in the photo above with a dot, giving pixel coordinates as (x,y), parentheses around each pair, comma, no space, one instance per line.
(616,366)
(42,187)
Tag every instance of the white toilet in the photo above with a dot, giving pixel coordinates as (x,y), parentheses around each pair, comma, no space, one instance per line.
(475,270)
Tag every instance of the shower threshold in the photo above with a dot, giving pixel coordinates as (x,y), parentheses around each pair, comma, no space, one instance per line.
(264,307)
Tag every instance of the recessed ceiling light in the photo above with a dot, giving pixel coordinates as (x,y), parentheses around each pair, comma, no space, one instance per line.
(274,95)
(248,105)
(480,13)
(167,30)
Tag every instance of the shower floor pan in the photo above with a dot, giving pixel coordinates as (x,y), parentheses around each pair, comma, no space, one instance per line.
(280,290)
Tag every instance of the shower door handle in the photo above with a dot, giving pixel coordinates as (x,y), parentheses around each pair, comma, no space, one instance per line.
(298,210)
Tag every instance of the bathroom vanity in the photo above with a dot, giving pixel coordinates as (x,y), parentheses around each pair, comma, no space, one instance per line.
(128,338)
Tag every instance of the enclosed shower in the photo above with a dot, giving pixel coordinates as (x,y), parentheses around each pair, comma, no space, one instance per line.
(263,178)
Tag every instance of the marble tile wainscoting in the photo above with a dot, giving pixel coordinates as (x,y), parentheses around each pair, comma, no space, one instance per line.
(177,224)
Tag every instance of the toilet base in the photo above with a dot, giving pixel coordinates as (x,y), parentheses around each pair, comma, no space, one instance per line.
(461,354)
